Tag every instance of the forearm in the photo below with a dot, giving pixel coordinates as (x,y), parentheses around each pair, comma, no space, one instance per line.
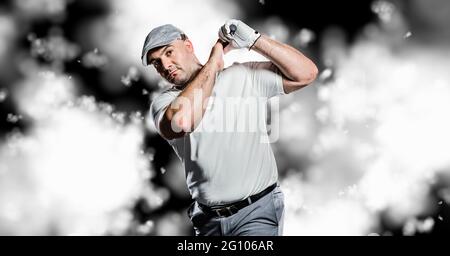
(186,111)
(291,62)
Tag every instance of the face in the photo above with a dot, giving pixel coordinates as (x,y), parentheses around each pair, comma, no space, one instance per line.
(174,62)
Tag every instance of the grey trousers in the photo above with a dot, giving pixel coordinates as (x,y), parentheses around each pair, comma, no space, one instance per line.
(261,218)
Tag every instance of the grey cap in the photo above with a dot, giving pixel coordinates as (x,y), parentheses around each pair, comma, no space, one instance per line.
(160,36)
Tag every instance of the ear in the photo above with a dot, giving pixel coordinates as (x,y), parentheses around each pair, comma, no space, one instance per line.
(189,45)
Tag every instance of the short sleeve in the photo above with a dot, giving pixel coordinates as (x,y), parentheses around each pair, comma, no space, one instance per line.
(266,78)
(159,105)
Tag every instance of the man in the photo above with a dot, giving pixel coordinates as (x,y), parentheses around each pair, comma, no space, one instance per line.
(231,175)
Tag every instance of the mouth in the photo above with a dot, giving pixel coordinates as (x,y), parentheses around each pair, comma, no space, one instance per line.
(173,74)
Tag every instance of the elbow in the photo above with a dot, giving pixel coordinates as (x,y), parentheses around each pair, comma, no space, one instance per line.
(311,75)
(314,72)
(302,80)
(174,126)
(181,124)
(305,74)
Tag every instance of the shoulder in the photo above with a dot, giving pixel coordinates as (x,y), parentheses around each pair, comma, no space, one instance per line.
(250,66)
(239,68)
(171,91)
(260,65)
(167,93)
(165,97)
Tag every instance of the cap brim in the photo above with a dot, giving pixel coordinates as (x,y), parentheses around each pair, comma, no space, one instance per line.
(144,56)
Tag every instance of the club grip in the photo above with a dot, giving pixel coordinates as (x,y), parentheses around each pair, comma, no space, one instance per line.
(224,43)
(233,29)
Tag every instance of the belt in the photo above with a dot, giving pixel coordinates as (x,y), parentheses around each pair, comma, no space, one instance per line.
(230,209)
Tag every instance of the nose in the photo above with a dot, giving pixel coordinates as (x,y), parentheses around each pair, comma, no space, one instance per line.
(167,64)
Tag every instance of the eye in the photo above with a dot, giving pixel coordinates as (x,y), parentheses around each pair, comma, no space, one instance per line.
(168,53)
(156,64)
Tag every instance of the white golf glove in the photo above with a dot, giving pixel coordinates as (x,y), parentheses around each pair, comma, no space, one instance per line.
(239,34)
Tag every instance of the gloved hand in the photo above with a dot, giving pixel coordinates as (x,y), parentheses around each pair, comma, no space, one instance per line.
(239,34)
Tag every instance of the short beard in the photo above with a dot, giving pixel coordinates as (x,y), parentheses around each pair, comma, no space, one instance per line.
(182,84)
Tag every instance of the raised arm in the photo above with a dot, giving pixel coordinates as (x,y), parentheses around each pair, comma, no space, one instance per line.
(298,70)
(186,111)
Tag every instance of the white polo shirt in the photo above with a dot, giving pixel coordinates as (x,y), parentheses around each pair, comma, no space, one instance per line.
(227,157)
